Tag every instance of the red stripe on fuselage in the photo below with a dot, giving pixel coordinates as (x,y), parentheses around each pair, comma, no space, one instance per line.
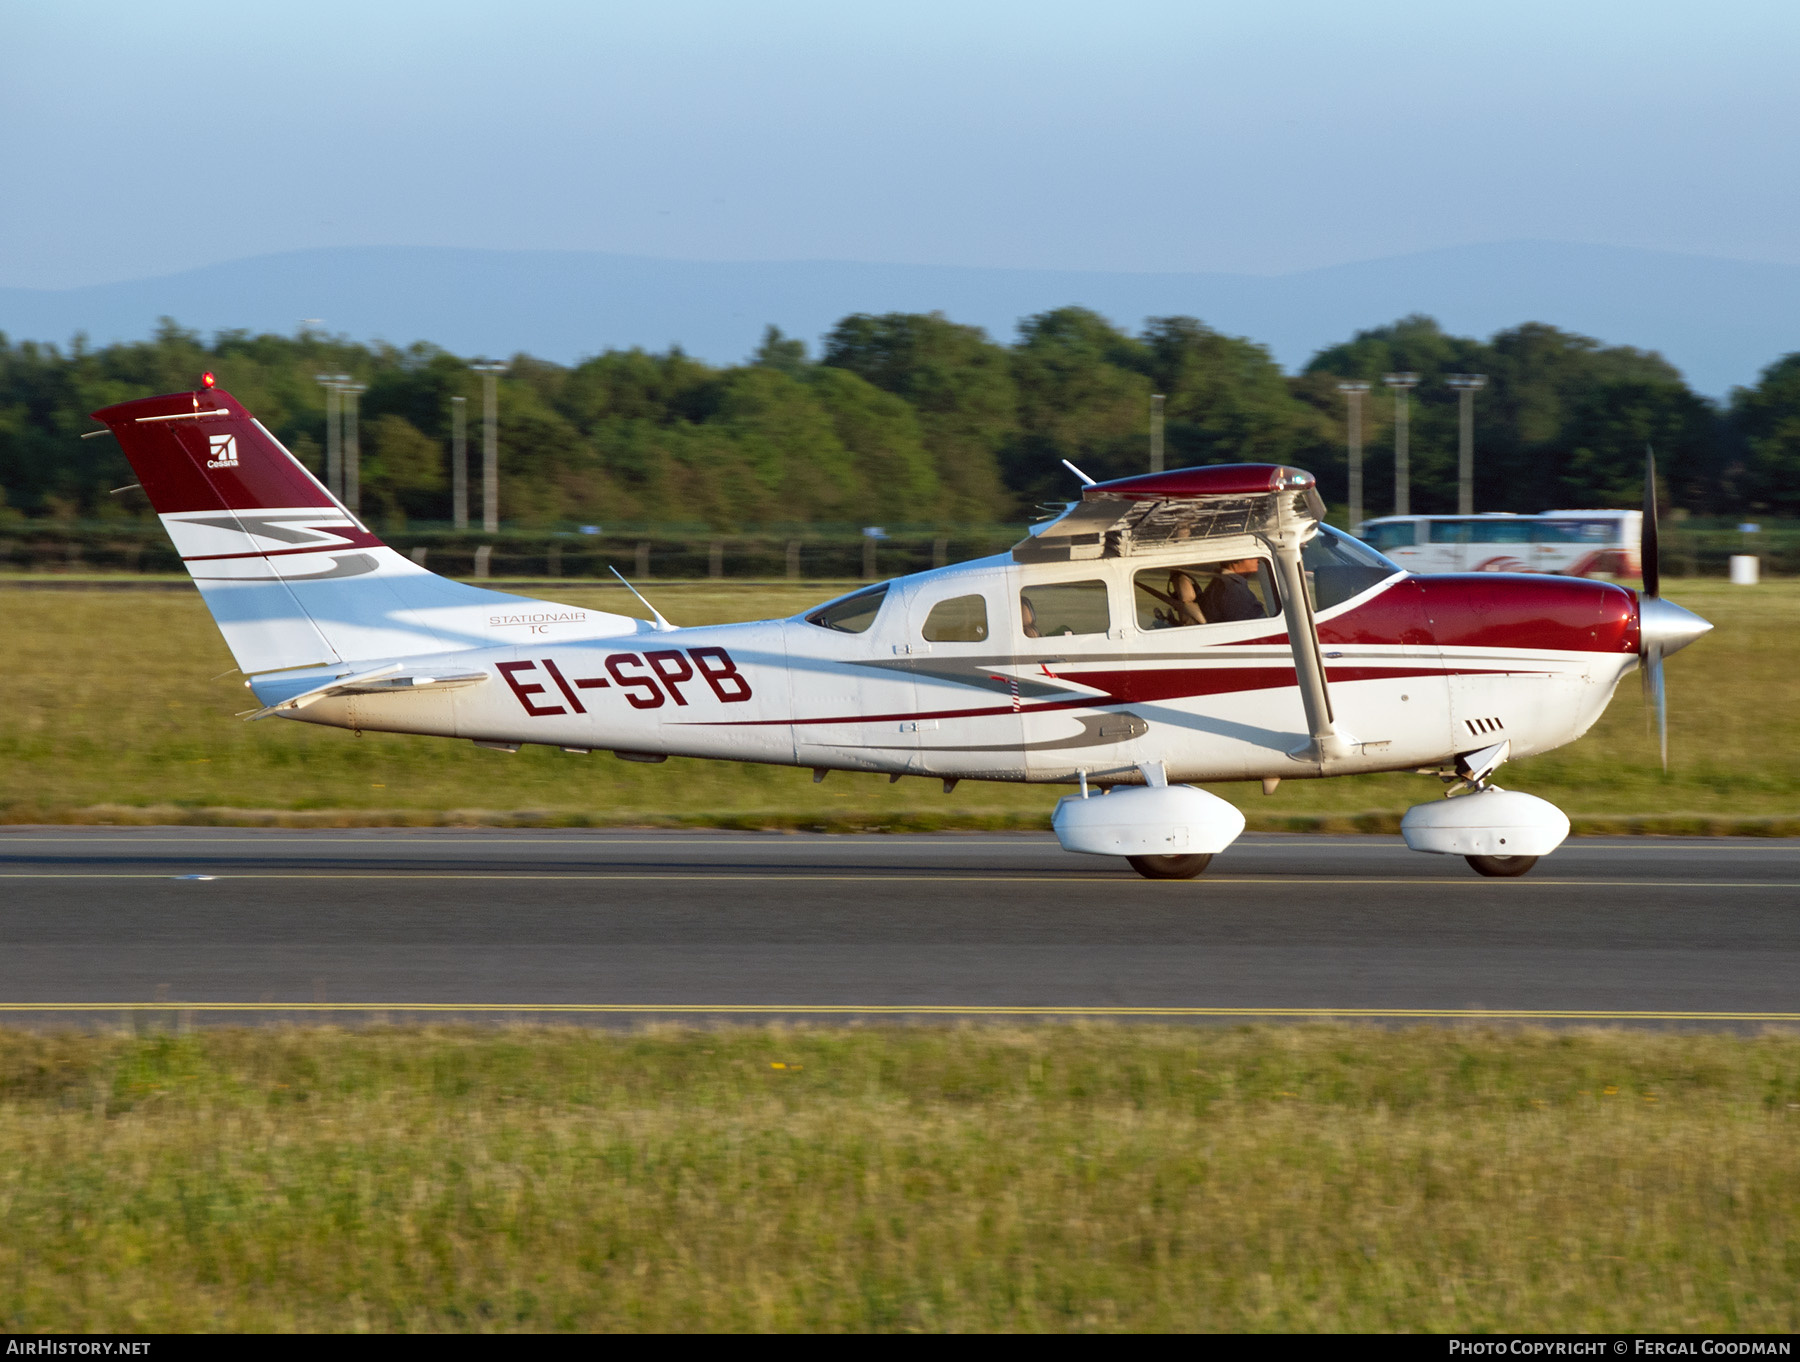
(1125,687)
(1085,702)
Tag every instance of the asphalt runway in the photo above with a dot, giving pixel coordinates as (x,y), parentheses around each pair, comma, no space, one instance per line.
(625,926)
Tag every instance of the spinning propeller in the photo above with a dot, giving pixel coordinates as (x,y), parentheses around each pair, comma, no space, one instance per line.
(1663,626)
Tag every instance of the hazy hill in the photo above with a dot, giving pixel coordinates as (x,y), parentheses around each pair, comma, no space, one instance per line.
(1719,320)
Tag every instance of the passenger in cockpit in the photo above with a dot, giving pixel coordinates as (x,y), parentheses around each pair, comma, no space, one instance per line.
(1182,598)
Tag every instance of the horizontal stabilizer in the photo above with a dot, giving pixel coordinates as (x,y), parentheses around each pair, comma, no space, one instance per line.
(390,680)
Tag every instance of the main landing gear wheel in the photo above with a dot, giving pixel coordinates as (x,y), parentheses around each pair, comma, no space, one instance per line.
(1501,867)
(1170,867)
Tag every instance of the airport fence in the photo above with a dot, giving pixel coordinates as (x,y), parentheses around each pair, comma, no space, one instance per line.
(1694,549)
(649,553)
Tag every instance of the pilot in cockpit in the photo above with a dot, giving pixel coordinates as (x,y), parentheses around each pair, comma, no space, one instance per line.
(1225,598)
(1228,597)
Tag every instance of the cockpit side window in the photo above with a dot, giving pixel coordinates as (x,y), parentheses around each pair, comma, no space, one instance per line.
(1205,593)
(961,619)
(850,614)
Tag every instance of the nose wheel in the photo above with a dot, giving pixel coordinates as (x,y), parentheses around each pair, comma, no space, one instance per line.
(1501,867)
(1169,867)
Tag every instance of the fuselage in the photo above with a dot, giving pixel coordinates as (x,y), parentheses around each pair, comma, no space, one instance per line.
(1002,670)
(1191,625)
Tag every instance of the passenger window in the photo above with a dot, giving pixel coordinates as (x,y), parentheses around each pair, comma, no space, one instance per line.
(961,619)
(1060,609)
(1205,593)
(1450,531)
(851,614)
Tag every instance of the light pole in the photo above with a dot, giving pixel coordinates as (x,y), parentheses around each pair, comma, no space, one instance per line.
(1353,397)
(1402,384)
(334,449)
(1466,386)
(352,447)
(1156,432)
(490,446)
(459,462)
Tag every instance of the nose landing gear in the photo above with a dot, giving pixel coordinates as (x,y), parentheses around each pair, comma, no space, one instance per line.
(1500,833)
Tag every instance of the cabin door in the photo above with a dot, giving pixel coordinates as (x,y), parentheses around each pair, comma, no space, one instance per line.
(965,718)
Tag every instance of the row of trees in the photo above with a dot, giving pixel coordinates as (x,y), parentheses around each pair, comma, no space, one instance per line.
(912,418)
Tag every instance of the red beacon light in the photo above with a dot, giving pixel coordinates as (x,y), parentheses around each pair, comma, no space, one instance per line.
(207,380)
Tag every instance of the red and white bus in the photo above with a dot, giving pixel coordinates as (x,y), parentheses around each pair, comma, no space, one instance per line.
(1573,543)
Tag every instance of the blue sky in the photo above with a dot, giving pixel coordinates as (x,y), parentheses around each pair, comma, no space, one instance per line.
(1258,137)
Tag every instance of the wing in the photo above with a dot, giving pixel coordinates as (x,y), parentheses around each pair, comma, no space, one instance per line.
(1138,515)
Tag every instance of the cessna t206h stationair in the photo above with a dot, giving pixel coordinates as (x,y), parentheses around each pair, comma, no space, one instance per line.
(1189,626)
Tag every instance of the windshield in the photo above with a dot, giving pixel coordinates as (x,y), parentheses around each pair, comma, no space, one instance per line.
(850,614)
(1341,567)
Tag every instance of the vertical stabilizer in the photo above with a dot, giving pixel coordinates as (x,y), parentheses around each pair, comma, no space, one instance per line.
(292,578)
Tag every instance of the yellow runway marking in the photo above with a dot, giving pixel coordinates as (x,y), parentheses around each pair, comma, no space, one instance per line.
(1383,842)
(258,835)
(933,1009)
(1301,841)
(1072,877)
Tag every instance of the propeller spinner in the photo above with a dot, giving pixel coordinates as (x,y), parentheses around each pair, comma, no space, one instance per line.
(1663,626)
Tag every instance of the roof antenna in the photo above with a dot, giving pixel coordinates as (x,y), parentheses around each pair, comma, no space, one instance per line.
(1086,481)
(662,625)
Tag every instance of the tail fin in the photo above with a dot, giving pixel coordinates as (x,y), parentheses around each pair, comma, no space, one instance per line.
(292,578)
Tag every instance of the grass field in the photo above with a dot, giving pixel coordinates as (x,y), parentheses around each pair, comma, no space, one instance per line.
(117,706)
(1139,1178)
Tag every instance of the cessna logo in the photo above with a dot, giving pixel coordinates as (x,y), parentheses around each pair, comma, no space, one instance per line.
(648,681)
(223,449)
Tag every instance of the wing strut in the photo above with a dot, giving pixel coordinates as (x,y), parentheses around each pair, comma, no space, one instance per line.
(1325,743)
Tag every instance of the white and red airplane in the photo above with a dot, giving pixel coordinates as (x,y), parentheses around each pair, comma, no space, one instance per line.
(1190,626)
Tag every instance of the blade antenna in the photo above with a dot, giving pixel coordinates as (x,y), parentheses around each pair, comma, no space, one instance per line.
(662,625)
